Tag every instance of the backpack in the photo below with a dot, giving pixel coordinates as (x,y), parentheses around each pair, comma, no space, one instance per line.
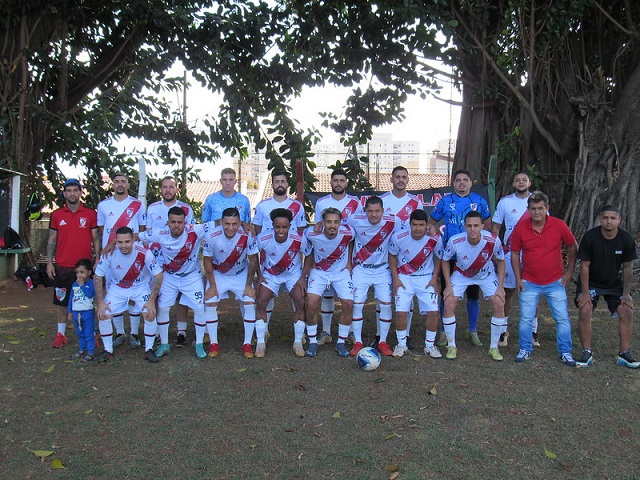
(12,239)
(33,210)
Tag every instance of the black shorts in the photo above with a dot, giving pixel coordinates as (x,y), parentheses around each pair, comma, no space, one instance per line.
(612,296)
(65,276)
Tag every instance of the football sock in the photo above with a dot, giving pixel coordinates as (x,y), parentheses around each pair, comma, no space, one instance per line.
(343,332)
(211,316)
(449,324)
(134,320)
(261,329)
(150,329)
(298,331)
(409,318)
(249,317)
(385,326)
(106,332)
(497,326)
(312,333)
(163,324)
(402,337)
(118,322)
(430,338)
(327,307)
(182,327)
(62,328)
(200,324)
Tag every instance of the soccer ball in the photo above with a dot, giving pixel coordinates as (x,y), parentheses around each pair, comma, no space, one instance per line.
(368,359)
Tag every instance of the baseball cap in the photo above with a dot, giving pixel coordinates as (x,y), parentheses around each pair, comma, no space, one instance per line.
(72,181)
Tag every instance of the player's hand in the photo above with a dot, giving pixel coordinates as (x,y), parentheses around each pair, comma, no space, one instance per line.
(627,301)
(500,293)
(435,284)
(583,300)
(149,311)
(210,292)
(51,271)
(110,247)
(317,228)
(519,285)
(448,292)
(249,291)
(302,283)
(564,280)
(396,286)
(432,231)
(248,227)
(69,317)
(104,311)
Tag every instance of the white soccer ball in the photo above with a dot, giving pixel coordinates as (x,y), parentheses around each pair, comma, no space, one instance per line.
(368,359)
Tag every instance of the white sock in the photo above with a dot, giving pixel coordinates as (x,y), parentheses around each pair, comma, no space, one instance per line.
(270,306)
(261,330)
(249,317)
(298,331)
(357,321)
(200,324)
(449,324)
(134,319)
(409,318)
(118,322)
(534,325)
(327,307)
(163,324)
(505,327)
(402,337)
(343,332)
(497,327)
(312,333)
(384,327)
(378,311)
(62,328)
(150,330)
(430,338)
(211,316)
(106,332)
(182,327)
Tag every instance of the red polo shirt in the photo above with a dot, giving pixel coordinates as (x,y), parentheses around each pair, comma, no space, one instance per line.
(74,234)
(541,252)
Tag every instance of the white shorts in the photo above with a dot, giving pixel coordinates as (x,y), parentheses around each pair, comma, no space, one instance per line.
(378,278)
(416,285)
(274,282)
(230,283)
(459,284)
(319,281)
(191,287)
(509,276)
(119,299)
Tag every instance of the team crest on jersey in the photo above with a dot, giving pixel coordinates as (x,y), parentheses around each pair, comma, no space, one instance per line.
(341,247)
(383,234)
(347,211)
(188,245)
(61,293)
(425,250)
(473,206)
(291,253)
(239,249)
(485,255)
(138,266)
(129,212)
(408,209)
(83,222)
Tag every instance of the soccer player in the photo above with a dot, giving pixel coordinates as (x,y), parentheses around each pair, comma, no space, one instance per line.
(227,197)
(603,252)
(121,210)
(414,261)
(328,263)
(230,263)
(475,250)
(348,205)
(280,252)
(373,230)
(180,244)
(540,239)
(73,232)
(156,218)
(452,209)
(129,269)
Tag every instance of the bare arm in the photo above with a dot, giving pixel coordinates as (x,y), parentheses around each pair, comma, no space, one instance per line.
(627,275)
(97,244)
(584,297)
(393,268)
(571,263)
(150,305)
(446,273)
(52,243)
(212,290)
(515,264)
(103,309)
(495,228)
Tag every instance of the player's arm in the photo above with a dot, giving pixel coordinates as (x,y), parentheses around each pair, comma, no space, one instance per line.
(627,276)
(572,251)
(501,269)
(52,243)
(515,265)
(253,267)
(150,305)
(247,227)
(435,278)
(257,228)
(446,273)
(395,278)
(104,311)
(350,254)
(495,228)
(584,298)
(212,290)
(97,244)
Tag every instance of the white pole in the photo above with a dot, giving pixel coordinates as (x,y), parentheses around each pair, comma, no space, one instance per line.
(142,175)
(15,203)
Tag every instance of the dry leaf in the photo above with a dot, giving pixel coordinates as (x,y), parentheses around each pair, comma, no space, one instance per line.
(433,391)
(394,475)
(50,369)
(416,359)
(241,370)
(15,342)
(550,454)
(42,454)
(392,467)
(10,337)
(88,411)
(336,415)
(49,413)
(379,380)
(56,464)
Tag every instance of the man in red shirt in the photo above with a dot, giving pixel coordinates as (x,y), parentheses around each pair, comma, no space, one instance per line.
(540,239)
(73,232)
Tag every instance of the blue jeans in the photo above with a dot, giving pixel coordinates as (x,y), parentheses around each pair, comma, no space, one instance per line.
(556,296)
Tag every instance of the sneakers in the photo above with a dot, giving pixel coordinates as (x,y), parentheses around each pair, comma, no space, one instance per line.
(433,351)
(567,359)
(504,339)
(400,350)
(297,349)
(103,356)
(375,342)
(341,348)
(87,358)
(351,338)
(312,350)
(585,359)
(452,353)
(59,342)
(76,356)
(134,341)
(474,339)
(522,356)
(162,350)
(495,354)
(261,349)
(324,338)
(384,349)
(214,350)
(200,353)
(151,357)
(356,348)
(411,345)
(627,360)
(534,339)
(119,340)
(181,340)
(246,351)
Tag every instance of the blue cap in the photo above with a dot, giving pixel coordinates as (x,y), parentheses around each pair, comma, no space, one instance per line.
(73,181)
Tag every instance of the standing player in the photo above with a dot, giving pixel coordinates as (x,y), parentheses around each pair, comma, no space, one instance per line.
(280,252)
(157,216)
(603,252)
(452,209)
(129,270)
(227,197)
(414,261)
(230,264)
(73,231)
(475,250)
(328,263)
(348,205)
(121,210)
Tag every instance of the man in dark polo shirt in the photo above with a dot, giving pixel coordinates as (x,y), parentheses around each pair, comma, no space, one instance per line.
(73,234)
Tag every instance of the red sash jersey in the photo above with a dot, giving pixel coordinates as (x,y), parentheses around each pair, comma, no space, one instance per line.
(541,252)
(74,234)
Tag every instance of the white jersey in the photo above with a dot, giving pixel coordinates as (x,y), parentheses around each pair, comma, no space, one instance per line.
(330,255)
(347,206)
(371,246)
(113,214)
(509,211)
(415,257)
(180,254)
(474,261)
(158,214)
(401,207)
(264,208)
(281,258)
(129,271)
(229,256)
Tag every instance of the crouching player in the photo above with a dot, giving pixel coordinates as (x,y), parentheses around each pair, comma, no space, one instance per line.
(414,261)
(129,269)
(475,250)
(230,264)
(280,253)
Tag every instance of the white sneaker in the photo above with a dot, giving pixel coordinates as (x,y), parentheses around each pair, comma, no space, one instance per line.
(433,351)
(399,351)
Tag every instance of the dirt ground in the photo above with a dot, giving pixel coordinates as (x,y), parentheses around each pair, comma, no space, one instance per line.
(288,417)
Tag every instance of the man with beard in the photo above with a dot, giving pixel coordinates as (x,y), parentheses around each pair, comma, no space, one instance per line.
(227,197)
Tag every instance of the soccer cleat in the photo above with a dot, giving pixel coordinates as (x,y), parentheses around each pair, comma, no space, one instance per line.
(432,351)
(452,353)
(324,338)
(442,342)
(341,348)
(410,344)
(261,349)
(134,341)
(585,359)
(103,356)
(474,339)
(534,339)
(356,348)
(214,350)
(504,339)
(384,349)
(312,350)
(60,341)
(200,353)
(181,340)
(400,350)
(522,356)
(119,340)
(151,357)
(163,350)
(298,350)
(246,351)
(567,359)
(627,360)
(495,354)
(375,342)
